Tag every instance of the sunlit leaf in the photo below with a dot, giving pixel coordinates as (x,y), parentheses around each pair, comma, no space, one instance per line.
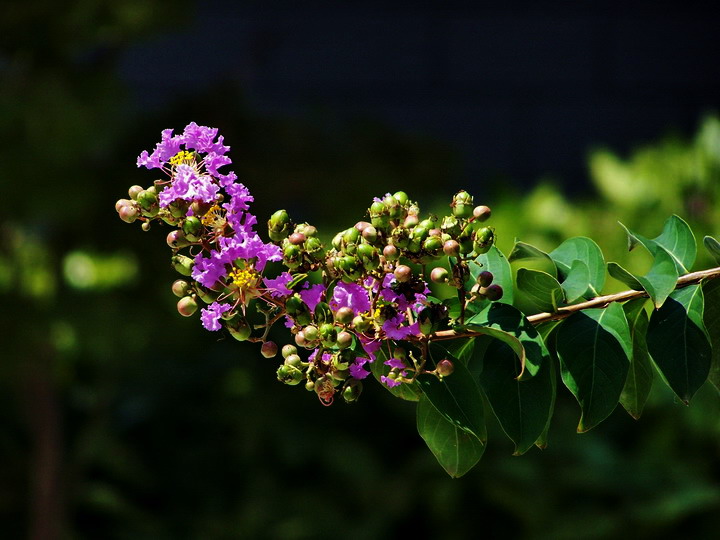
(523,408)
(659,282)
(586,250)
(676,239)
(456,450)
(595,347)
(713,246)
(577,281)
(532,256)
(678,341)
(540,289)
(640,375)
(509,325)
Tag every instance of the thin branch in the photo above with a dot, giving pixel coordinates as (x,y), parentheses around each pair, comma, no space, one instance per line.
(598,302)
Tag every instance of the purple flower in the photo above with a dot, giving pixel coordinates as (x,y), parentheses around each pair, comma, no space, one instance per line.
(210,316)
(165,149)
(350,295)
(187,184)
(202,139)
(278,287)
(395,363)
(313,295)
(394,330)
(357,369)
(390,383)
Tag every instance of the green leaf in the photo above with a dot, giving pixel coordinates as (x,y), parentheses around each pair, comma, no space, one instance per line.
(713,246)
(676,239)
(523,408)
(408,392)
(678,342)
(533,256)
(711,294)
(640,375)
(495,262)
(547,331)
(456,450)
(659,282)
(540,289)
(509,325)
(577,281)
(582,249)
(595,347)
(457,397)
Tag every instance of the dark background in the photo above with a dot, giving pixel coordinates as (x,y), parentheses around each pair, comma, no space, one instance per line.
(119,419)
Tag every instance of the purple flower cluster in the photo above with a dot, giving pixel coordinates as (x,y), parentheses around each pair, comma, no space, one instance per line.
(192,160)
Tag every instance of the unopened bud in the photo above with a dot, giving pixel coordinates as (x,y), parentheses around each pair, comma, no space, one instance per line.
(180,288)
(176,239)
(485,278)
(133,191)
(182,264)
(288,349)
(445,367)
(402,273)
(344,340)
(269,349)
(289,375)
(297,238)
(390,253)
(361,324)
(352,391)
(128,213)
(239,329)
(451,248)
(482,213)
(187,306)
(439,275)
(344,315)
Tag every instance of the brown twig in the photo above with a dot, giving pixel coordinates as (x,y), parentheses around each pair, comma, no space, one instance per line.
(598,302)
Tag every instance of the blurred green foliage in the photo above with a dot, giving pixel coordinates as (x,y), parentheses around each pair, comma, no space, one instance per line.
(119,419)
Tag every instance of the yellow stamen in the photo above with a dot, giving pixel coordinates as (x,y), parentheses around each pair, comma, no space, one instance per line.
(243,278)
(183,156)
(214,218)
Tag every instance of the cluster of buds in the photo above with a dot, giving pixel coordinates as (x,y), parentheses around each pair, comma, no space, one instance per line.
(365,292)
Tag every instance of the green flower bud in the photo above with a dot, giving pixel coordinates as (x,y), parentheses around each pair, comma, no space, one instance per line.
(466,246)
(445,367)
(239,329)
(289,375)
(176,239)
(311,333)
(279,226)
(432,244)
(288,350)
(451,248)
(293,360)
(484,239)
(402,273)
(400,238)
(269,349)
(306,229)
(180,288)
(310,386)
(401,197)
(351,235)
(206,295)
(380,222)
(133,191)
(361,324)
(178,208)
(462,211)
(450,225)
(463,197)
(128,213)
(411,220)
(391,253)
(414,246)
(300,340)
(293,304)
(187,306)
(313,245)
(344,340)
(145,226)
(369,233)
(344,315)
(146,199)
(377,209)
(337,241)
(328,334)
(352,391)
(182,264)
(192,226)
(482,213)
(439,275)
(419,233)
(485,278)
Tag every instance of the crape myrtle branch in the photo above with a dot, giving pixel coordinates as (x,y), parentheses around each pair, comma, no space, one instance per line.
(597,302)
(364,296)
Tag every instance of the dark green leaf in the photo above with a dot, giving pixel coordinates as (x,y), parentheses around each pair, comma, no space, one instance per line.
(595,347)
(534,257)
(711,294)
(540,289)
(453,305)
(457,397)
(640,375)
(509,325)
(461,348)
(713,246)
(618,272)
(676,239)
(548,332)
(577,281)
(523,408)
(659,282)
(409,392)
(495,262)
(582,249)
(678,341)
(456,450)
